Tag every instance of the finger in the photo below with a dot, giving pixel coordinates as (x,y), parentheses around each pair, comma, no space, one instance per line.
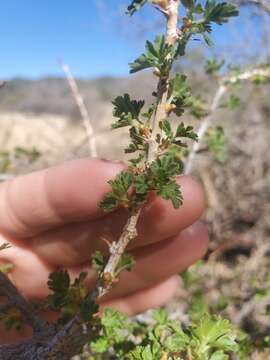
(74,243)
(156,262)
(39,201)
(149,298)
(29,273)
(170,257)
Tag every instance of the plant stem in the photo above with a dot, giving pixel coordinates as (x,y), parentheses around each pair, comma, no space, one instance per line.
(207,120)
(130,229)
(82,109)
(203,128)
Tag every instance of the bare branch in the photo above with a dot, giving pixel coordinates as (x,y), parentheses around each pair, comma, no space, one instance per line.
(82,108)
(16,300)
(251,306)
(206,121)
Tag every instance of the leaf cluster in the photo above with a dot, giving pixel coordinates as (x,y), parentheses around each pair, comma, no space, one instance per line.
(158,55)
(213,66)
(179,94)
(158,178)
(69,298)
(210,338)
(216,141)
(198,21)
(113,336)
(126,110)
(12,319)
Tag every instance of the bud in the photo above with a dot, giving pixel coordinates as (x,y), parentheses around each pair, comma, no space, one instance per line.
(107,278)
(169,108)
(187,23)
(144,131)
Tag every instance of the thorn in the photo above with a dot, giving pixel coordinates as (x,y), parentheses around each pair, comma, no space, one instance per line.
(106,241)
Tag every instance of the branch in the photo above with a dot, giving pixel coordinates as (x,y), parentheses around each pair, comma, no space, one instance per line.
(130,229)
(250,307)
(49,342)
(82,108)
(206,121)
(16,300)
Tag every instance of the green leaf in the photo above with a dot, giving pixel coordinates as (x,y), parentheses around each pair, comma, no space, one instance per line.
(216,332)
(126,110)
(232,103)
(160,316)
(186,132)
(216,142)
(115,325)
(162,171)
(125,263)
(119,194)
(213,66)
(87,309)
(98,262)
(58,283)
(171,191)
(158,54)
(109,203)
(165,167)
(135,6)
(141,184)
(219,355)
(101,345)
(178,341)
(219,13)
(207,40)
(142,353)
(179,93)
(166,127)
(197,107)
(199,306)
(136,161)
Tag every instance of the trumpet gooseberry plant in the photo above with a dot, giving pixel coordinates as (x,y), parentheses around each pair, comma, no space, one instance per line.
(159,150)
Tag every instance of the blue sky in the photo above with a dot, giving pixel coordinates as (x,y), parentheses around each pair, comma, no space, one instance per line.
(95,40)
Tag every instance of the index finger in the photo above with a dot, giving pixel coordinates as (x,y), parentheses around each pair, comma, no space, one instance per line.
(55,196)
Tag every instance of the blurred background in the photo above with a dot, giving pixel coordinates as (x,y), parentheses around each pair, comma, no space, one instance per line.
(41,125)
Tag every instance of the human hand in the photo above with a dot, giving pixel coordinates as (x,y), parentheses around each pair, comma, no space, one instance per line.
(52,221)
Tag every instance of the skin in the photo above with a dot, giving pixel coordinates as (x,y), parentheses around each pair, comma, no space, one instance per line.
(52,220)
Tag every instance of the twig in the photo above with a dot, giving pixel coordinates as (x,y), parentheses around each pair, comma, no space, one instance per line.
(251,306)
(15,299)
(82,108)
(203,128)
(206,121)
(129,232)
